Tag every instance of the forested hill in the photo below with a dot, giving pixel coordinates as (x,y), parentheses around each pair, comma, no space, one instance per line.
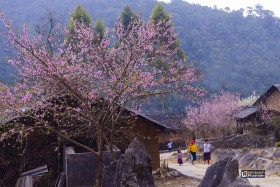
(234,52)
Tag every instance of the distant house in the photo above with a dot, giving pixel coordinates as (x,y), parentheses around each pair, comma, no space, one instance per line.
(250,117)
(149,131)
(176,132)
(245,118)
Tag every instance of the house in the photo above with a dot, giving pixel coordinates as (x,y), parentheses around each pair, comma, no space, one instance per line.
(177,132)
(149,132)
(251,117)
(270,99)
(245,117)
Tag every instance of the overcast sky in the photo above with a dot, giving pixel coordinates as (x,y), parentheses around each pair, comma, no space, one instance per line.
(273,5)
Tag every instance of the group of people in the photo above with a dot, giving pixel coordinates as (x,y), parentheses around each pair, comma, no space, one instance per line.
(192,150)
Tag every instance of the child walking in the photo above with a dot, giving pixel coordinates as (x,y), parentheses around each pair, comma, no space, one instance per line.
(207,152)
(180,157)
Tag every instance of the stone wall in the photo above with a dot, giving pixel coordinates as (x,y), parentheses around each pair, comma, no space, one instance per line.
(81,168)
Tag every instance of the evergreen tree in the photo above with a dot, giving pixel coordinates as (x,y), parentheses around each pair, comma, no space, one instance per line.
(99,29)
(79,15)
(160,15)
(127,16)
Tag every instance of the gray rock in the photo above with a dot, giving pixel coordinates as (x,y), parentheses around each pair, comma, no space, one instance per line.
(243,182)
(219,154)
(261,163)
(231,173)
(224,173)
(273,167)
(133,169)
(271,153)
(248,159)
(175,173)
(276,154)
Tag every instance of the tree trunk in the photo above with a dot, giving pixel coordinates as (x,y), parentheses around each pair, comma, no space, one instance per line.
(99,176)
(113,157)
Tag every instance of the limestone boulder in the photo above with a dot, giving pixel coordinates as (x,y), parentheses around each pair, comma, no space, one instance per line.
(261,163)
(276,153)
(224,173)
(248,159)
(273,167)
(133,169)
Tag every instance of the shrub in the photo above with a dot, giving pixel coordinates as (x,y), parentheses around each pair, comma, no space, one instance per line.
(277,144)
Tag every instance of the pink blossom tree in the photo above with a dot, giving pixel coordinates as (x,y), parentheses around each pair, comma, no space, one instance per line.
(215,113)
(82,88)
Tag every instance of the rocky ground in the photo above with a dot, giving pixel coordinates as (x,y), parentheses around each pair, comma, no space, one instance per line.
(267,159)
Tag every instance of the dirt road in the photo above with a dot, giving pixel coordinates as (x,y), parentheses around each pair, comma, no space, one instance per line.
(198,171)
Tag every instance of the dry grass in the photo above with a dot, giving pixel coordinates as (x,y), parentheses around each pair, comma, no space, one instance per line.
(182,181)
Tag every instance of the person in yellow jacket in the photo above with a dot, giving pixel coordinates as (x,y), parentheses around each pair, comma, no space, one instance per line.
(192,149)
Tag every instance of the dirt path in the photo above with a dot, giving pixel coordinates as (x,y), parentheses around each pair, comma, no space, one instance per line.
(198,170)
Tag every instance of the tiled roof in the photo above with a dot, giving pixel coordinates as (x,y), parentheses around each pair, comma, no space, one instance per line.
(170,120)
(245,112)
(158,124)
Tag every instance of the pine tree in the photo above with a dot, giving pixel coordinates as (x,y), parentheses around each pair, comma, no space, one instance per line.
(127,16)
(99,29)
(160,15)
(79,15)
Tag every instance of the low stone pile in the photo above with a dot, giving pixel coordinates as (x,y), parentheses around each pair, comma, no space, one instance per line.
(236,141)
(164,172)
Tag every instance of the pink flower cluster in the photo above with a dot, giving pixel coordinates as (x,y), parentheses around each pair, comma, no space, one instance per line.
(216,112)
